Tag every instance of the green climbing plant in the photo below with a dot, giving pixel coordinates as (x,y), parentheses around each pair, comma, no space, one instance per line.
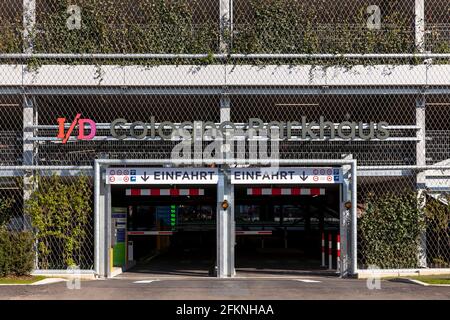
(187,26)
(60,213)
(6,212)
(437,213)
(150,26)
(390,229)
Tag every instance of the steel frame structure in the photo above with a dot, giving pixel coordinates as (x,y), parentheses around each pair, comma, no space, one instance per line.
(225,218)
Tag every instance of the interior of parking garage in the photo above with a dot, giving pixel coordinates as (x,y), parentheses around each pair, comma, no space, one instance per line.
(164,230)
(279,229)
(171,230)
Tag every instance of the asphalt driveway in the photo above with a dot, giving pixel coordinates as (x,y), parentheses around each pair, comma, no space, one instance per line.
(137,286)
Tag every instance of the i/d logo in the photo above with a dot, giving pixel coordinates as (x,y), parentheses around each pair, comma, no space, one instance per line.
(64,136)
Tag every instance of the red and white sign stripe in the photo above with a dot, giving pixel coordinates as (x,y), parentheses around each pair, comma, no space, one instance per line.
(150,233)
(165,192)
(323,249)
(285,191)
(330,252)
(264,232)
(338,253)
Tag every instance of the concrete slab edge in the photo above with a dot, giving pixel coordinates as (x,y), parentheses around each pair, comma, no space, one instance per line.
(392,273)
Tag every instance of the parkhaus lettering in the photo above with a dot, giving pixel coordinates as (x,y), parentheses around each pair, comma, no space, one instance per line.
(120,129)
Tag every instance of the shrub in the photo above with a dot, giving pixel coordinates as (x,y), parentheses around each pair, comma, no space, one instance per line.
(107,26)
(291,26)
(390,231)
(16,252)
(6,212)
(60,212)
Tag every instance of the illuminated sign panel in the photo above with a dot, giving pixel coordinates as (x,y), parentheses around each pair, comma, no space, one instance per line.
(283,175)
(153,175)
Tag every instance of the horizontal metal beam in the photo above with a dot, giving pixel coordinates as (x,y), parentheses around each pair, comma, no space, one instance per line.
(236,138)
(385,173)
(47,172)
(107,126)
(412,167)
(339,90)
(262,90)
(82,90)
(109,56)
(37,167)
(160,162)
(340,56)
(253,56)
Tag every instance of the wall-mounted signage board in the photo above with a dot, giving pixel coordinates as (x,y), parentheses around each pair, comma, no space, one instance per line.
(140,175)
(284,175)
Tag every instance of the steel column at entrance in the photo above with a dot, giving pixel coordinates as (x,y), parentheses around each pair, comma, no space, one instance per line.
(225,216)
(225,227)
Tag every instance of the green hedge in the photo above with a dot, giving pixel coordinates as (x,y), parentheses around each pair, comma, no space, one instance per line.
(389,231)
(16,252)
(111,26)
(191,26)
(290,26)
(61,212)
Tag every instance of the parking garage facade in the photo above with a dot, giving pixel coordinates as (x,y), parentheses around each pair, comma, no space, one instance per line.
(154,213)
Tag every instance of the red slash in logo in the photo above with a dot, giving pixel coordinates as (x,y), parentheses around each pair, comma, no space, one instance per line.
(81,128)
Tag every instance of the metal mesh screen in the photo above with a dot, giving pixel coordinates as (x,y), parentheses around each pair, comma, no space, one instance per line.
(56,230)
(276,60)
(321,27)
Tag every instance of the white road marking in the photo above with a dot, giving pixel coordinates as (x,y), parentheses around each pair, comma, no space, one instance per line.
(144,281)
(308,280)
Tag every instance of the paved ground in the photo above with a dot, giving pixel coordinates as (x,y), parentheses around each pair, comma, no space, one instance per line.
(135,286)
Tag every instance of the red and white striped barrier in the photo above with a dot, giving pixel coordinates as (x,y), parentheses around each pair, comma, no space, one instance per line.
(165,192)
(338,253)
(150,233)
(323,249)
(330,252)
(256,233)
(285,191)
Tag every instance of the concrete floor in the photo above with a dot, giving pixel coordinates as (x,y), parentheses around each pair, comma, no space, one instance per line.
(259,263)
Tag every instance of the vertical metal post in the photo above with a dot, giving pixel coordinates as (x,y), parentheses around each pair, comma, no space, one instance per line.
(97,181)
(231,229)
(225,217)
(29,115)
(29,22)
(100,219)
(226,25)
(345,224)
(108,230)
(420,179)
(354,221)
(224,225)
(419,22)
(345,218)
(28,145)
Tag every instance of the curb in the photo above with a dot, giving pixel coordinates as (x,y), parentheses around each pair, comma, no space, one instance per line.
(421,283)
(37,283)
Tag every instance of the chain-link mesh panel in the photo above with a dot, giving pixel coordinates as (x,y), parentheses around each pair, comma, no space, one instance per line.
(409,93)
(438,129)
(351,26)
(58,206)
(394,110)
(11,131)
(127,26)
(420,239)
(11,26)
(437,25)
(106,109)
